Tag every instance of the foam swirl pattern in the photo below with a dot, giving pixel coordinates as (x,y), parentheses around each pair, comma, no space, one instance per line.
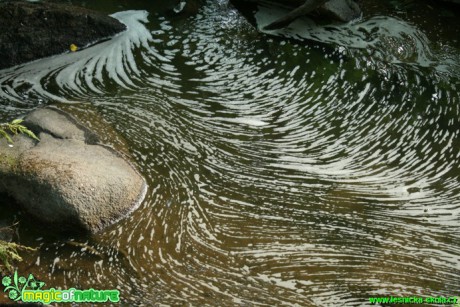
(281,171)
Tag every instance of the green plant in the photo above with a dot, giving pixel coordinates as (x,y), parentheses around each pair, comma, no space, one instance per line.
(14,128)
(9,250)
(9,253)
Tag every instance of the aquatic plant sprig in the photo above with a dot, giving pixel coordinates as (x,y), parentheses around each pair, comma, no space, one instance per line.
(15,128)
(9,253)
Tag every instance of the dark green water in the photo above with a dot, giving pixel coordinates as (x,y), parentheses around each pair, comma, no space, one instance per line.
(282,171)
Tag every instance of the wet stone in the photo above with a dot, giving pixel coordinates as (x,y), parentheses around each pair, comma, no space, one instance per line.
(67,179)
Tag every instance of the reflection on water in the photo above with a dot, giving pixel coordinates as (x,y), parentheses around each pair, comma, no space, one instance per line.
(281,171)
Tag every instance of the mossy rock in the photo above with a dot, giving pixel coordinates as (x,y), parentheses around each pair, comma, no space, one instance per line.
(68,179)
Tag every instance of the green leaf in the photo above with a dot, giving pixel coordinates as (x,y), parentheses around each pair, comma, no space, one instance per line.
(6,136)
(31,134)
(15,127)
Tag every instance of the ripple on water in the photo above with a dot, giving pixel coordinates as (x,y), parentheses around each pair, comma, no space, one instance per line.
(281,172)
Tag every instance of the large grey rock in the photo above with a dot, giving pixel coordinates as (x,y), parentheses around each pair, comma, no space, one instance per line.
(68,179)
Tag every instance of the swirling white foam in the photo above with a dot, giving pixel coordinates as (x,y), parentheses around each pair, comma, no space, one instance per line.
(280,174)
(78,72)
(388,38)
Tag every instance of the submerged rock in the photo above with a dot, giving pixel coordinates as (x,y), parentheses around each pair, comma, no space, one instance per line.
(29,31)
(340,10)
(68,179)
(186,8)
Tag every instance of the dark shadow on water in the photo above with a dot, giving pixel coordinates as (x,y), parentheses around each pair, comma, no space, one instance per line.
(28,229)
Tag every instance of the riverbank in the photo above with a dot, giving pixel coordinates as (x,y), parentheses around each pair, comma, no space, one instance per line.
(30,31)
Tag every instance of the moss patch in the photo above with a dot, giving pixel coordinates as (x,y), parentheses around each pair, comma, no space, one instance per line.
(8,161)
(9,253)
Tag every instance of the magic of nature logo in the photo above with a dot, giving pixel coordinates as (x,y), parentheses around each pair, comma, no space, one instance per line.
(30,290)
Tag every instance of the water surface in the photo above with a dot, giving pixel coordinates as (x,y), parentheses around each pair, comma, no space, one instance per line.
(313,168)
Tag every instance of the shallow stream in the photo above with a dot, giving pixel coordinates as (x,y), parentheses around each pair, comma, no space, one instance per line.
(295,167)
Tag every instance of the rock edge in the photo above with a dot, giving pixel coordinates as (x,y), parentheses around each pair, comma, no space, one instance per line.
(68,180)
(29,31)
